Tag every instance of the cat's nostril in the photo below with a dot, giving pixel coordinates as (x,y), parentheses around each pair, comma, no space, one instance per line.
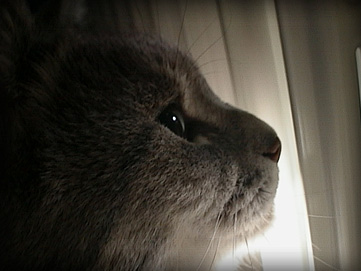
(274,152)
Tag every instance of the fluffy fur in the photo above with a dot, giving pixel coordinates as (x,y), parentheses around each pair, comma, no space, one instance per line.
(90,178)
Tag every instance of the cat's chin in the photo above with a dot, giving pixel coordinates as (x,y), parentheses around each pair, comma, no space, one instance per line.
(202,249)
(249,210)
(246,227)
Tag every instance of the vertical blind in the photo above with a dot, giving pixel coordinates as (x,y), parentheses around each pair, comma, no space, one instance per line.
(319,42)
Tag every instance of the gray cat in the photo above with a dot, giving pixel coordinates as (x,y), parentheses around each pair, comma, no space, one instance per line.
(116,155)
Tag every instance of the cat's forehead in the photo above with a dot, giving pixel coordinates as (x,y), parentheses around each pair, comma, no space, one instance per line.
(149,68)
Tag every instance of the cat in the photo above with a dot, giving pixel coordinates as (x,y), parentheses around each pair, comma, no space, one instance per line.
(116,154)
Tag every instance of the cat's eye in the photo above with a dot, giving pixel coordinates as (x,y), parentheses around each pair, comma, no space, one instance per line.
(173,120)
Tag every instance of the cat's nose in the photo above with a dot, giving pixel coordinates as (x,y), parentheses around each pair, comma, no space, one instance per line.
(274,151)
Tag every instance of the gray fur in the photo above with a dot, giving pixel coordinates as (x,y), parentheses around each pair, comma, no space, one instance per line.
(92,181)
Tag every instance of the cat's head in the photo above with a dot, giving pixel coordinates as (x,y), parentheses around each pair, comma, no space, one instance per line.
(116,152)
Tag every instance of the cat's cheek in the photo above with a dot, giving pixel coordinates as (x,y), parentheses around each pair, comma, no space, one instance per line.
(263,203)
(223,184)
(272,184)
(218,182)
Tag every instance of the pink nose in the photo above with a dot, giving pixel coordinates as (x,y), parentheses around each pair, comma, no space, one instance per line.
(274,152)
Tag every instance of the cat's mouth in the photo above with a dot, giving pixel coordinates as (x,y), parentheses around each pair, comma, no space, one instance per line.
(252,197)
(250,212)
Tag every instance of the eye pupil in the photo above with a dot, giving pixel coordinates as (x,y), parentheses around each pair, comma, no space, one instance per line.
(173,120)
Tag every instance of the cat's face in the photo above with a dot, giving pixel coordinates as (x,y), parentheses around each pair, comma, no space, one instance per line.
(127,152)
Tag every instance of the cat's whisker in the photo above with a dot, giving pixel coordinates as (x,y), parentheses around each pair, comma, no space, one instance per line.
(322,216)
(211,73)
(187,53)
(215,253)
(140,15)
(218,222)
(158,20)
(316,247)
(200,35)
(249,253)
(224,31)
(266,238)
(208,48)
(234,234)
(211,61)
(181,30)
(177,259)
(323,262)
(324,191)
